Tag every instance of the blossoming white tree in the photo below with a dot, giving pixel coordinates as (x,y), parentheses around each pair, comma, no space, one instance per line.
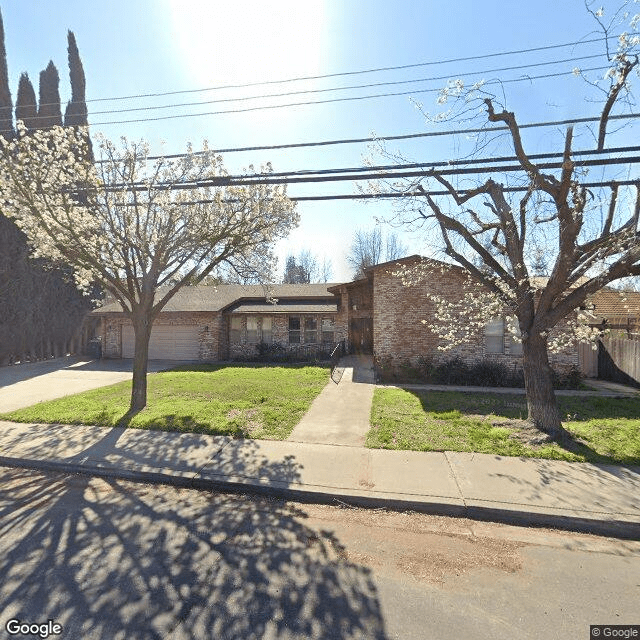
(140,227)
(496,243)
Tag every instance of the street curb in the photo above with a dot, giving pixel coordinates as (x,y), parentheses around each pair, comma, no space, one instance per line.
(608,528)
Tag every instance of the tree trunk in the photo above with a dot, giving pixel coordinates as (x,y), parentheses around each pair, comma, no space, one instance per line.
(142,332)
(541,399)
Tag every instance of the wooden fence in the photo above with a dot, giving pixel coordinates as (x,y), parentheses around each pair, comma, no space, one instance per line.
(619,360)
(588,360)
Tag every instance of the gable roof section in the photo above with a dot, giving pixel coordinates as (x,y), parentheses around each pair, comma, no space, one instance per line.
(222,296)
(615,303)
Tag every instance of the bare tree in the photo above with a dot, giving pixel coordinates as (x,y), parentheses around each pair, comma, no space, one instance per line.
(305,268)
(492,232)
(326,270)
(131,229)
(370,247)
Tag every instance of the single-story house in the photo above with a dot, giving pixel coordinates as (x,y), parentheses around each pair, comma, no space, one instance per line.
(376,314)
(228,321)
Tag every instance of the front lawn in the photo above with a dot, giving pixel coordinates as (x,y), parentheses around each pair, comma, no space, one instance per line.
(248,401)
(605,430)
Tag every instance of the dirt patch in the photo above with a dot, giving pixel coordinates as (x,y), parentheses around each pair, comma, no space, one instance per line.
(524,432)
(459,556)
(422,547)
(249,420)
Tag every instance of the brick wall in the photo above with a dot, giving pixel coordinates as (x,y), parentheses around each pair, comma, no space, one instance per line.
(399,336)
(209,324)
(214,333)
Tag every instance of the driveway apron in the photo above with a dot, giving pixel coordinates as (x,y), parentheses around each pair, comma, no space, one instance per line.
(25,384)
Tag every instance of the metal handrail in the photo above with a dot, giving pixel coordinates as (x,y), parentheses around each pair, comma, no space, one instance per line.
(338,351)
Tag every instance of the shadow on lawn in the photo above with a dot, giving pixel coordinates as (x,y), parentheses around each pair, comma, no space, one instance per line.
(576,409)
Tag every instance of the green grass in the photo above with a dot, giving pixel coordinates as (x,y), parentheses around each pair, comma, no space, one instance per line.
(605,430)
(248,401)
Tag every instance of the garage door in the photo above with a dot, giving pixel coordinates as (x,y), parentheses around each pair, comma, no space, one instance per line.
(168,342)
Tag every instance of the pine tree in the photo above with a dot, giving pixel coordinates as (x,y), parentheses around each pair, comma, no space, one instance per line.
(6,106)
(26,106)
(76,113)
(49,113)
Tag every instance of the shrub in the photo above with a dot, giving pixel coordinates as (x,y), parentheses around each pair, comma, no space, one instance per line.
(455,371)
(571,379)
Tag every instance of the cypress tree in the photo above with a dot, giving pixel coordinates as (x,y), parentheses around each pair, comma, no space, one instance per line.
(49,113)
(6,106)
(76,112)
(26,106)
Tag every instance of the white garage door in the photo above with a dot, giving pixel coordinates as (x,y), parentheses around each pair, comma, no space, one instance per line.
(168,342)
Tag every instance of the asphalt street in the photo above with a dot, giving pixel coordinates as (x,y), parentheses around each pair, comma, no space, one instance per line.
(107,558)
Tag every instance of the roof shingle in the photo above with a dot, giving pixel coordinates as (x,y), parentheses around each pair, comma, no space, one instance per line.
(219,297)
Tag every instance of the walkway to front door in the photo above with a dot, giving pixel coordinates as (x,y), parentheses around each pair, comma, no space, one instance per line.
(340,414)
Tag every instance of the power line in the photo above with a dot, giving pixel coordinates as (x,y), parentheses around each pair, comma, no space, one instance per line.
(345,88)
(368,174)
(408,136)
(388,195)
(358,72)
(383,196)
(330,100)
(448,163)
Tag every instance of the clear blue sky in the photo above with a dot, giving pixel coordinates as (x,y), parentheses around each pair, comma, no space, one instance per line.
(155,46)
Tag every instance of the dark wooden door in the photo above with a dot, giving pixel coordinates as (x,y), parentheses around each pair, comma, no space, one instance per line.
(361,337)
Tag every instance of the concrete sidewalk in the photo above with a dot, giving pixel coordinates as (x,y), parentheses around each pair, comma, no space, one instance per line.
(585,497)
(340,413)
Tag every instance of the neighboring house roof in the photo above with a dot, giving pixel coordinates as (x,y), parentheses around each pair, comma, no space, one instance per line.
(614,303)
(219,297)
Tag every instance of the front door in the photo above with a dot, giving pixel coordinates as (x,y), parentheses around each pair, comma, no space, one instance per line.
(361,337)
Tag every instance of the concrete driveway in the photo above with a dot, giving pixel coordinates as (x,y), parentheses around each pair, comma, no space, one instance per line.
(25,384)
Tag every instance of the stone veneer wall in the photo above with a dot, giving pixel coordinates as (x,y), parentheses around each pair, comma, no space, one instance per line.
(400,337)
(280,333)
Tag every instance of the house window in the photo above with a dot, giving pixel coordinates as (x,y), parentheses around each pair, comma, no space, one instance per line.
(267,330)
(294,330)
(252,329)
(235,329)
(515,343)
(328,330)
(494,336)
(310,329)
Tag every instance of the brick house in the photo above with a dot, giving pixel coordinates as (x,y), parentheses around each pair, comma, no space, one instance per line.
(229,322)
(376,314)
(384,318)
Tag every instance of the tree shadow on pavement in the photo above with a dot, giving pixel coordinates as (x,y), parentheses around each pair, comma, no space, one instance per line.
(108,559)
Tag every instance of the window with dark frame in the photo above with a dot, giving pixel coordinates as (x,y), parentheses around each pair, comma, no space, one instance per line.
(310,330)
(328,330)
(294,329)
